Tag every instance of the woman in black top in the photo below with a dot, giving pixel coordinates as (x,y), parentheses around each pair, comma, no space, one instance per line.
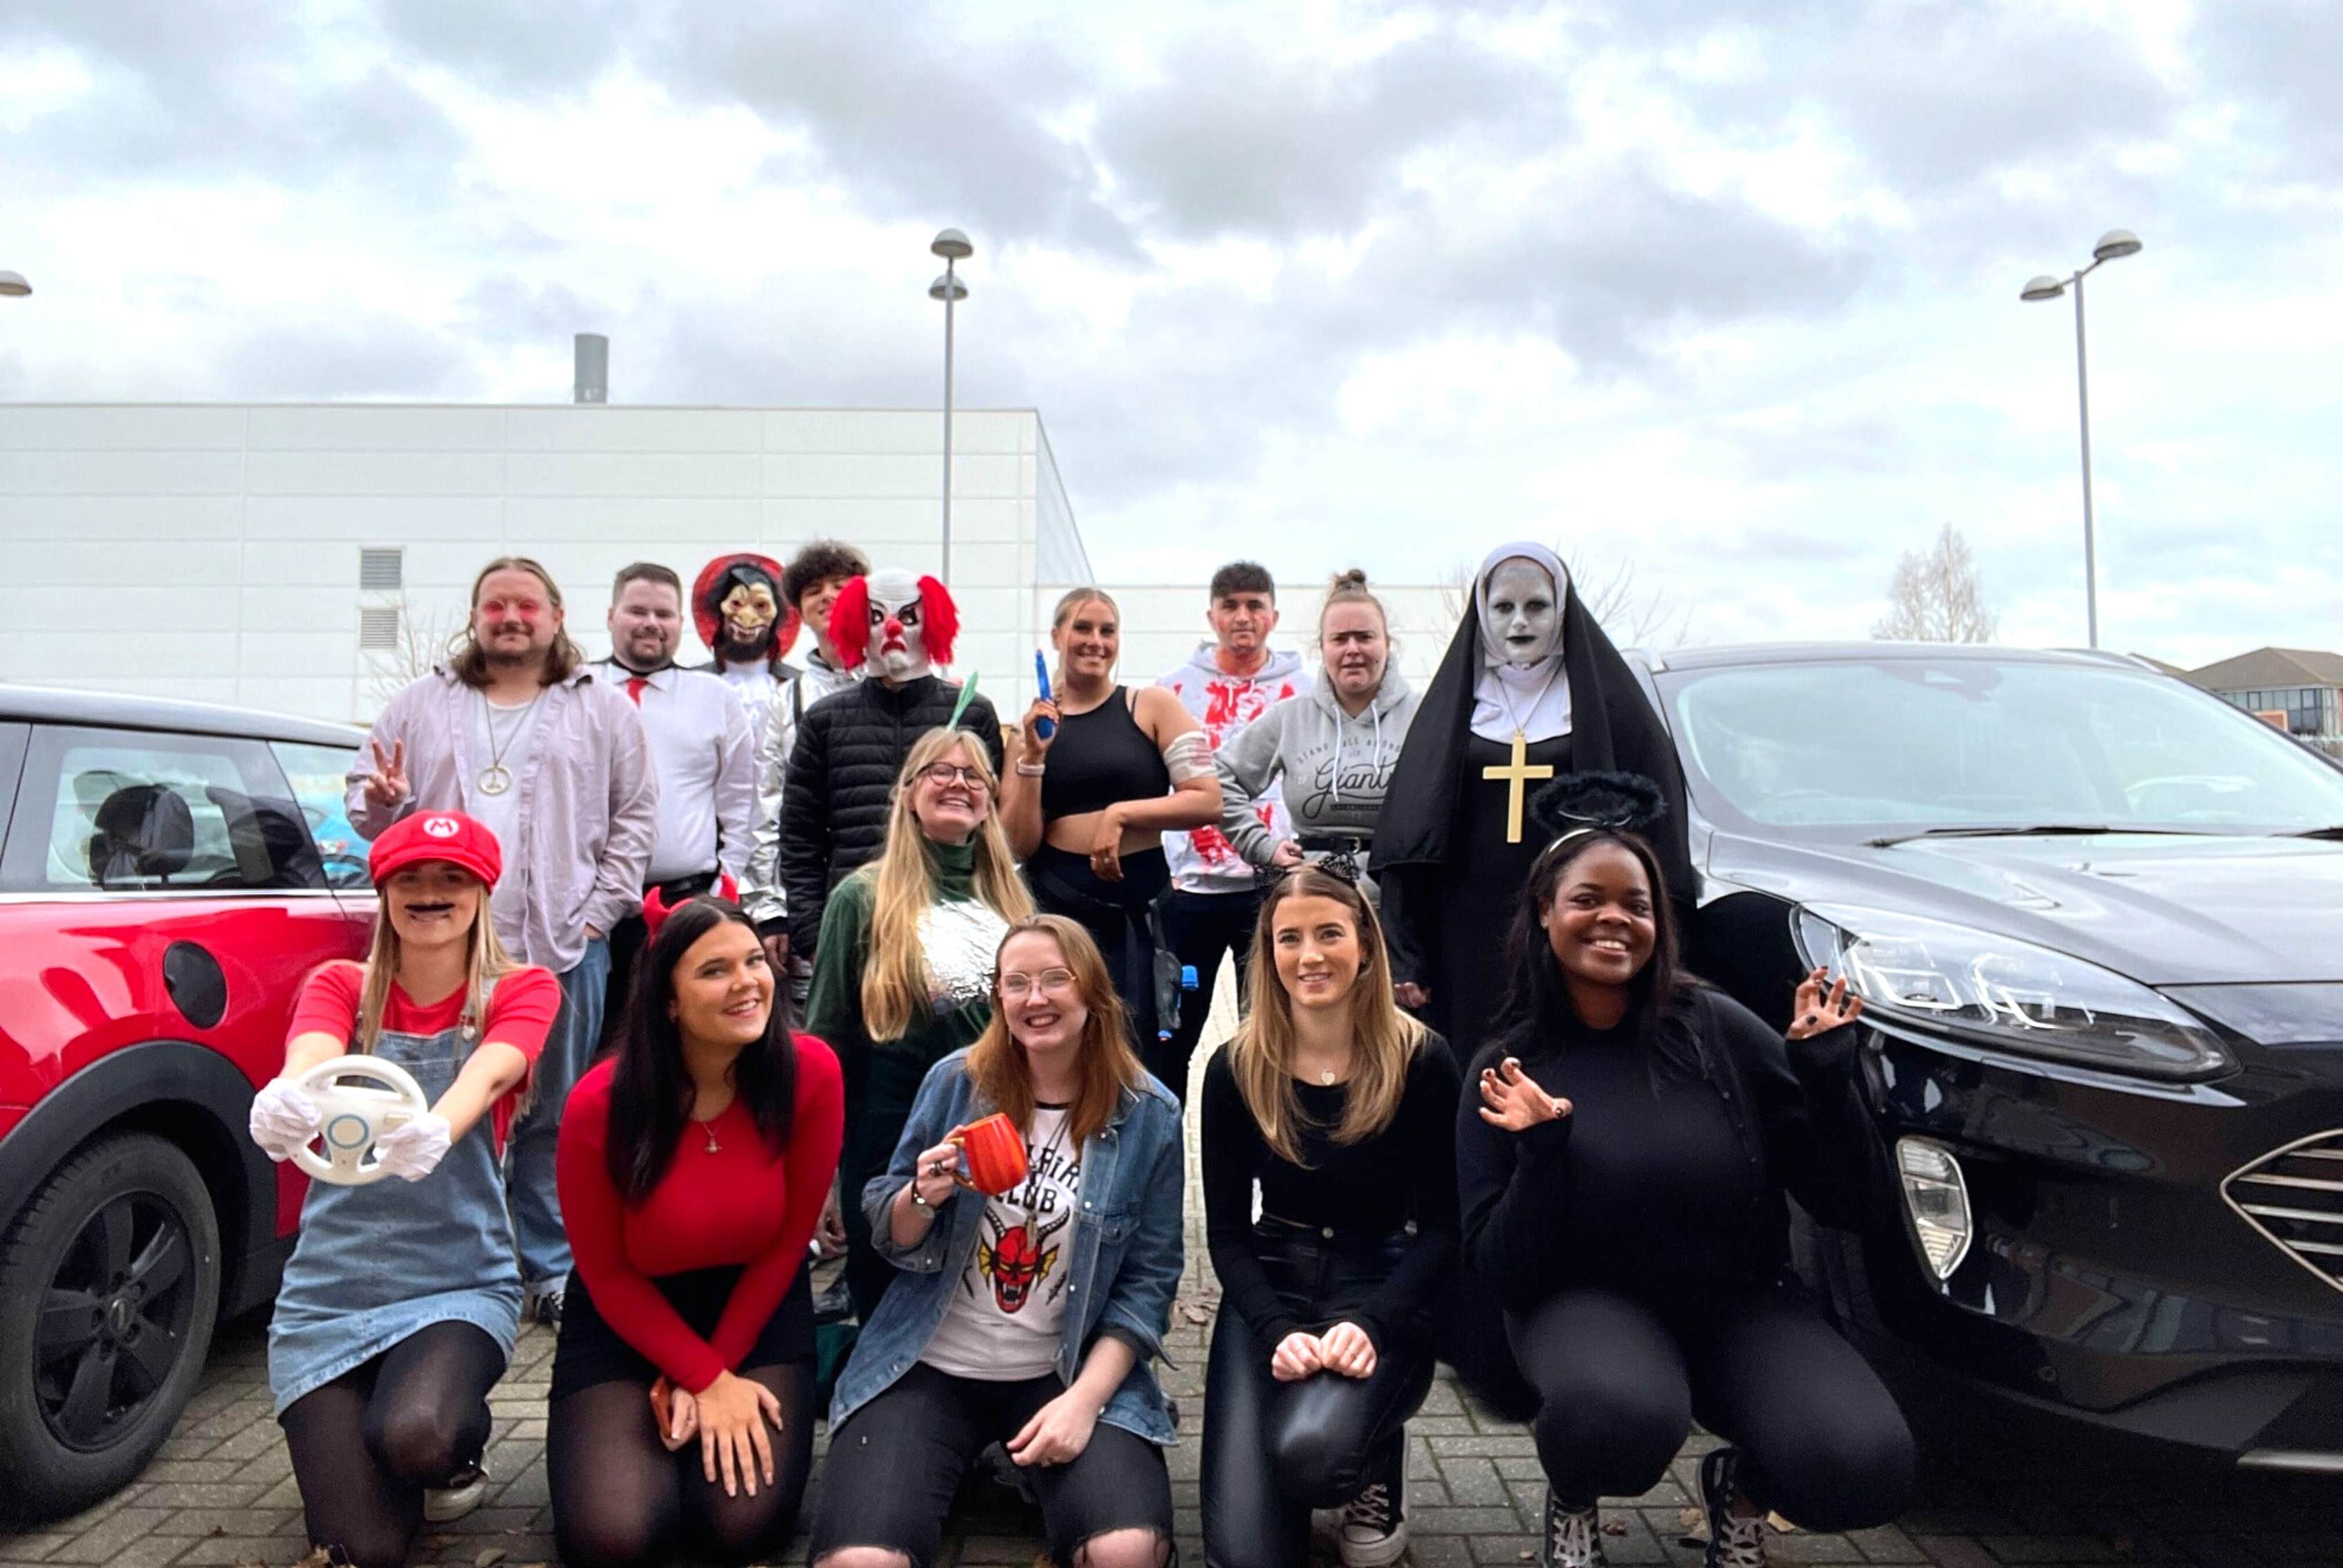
(1087,805)
(1622,1172)
(1340,1108)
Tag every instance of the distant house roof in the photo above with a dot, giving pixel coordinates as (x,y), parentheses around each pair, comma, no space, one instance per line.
(2266,668)
(2159,666)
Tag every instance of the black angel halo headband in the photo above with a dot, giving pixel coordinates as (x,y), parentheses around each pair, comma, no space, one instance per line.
(1598,802)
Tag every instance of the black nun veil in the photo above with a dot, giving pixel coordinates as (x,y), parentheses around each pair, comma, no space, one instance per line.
(1612,728)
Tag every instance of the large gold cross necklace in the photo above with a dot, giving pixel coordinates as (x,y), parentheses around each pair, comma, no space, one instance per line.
(1517,774)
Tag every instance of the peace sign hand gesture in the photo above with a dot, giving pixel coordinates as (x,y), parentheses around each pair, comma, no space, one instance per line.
(1511,1099)
(1816,1012)
(386,785)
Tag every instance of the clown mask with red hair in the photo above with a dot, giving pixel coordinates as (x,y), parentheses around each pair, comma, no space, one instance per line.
(902,624)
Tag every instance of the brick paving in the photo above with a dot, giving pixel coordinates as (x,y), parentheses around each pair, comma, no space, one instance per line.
(221,1493)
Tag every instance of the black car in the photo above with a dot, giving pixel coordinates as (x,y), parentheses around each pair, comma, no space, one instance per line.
(2096,918)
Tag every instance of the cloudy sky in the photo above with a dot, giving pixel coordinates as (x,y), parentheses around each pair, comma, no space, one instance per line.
(1725,290)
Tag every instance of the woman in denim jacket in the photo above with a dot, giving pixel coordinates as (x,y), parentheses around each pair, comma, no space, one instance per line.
(1028,1318)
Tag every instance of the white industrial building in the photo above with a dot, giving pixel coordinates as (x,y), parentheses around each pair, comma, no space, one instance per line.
(305,558)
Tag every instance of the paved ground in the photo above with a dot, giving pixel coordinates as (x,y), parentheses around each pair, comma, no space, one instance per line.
(221,1493)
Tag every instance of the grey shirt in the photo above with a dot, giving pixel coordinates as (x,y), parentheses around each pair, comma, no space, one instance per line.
(586,803)
(1334,766)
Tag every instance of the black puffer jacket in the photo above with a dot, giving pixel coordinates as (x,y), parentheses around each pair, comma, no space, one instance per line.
(850,745)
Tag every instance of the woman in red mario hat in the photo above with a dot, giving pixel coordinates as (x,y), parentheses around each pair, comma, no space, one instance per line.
(402,1298)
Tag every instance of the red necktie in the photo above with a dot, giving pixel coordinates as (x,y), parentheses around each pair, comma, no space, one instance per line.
(635,684)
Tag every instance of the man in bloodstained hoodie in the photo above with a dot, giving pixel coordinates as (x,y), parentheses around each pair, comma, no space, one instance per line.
(1215,897)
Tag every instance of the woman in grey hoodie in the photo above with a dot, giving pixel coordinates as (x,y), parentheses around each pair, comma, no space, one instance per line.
(1334,746)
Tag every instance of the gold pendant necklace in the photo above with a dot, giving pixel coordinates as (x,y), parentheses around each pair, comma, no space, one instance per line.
(708,1127)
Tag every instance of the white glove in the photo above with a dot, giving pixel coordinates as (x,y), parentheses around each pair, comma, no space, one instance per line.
(284,1117)
(413,1152)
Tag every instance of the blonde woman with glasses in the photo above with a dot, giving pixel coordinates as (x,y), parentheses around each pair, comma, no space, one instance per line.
(903,971)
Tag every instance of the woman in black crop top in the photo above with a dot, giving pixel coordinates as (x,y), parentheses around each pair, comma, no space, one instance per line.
(1086,806)
(1342,1108)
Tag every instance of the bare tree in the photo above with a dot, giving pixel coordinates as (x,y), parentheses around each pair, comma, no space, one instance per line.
(1936,595)
(1634,616)
(426,640)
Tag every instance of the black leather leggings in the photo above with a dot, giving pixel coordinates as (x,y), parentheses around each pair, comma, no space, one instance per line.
(1274,1451)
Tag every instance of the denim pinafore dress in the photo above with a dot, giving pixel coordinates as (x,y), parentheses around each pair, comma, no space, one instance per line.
(374,1264)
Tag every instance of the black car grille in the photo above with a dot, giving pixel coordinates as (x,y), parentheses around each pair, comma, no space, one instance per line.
(2294,1196)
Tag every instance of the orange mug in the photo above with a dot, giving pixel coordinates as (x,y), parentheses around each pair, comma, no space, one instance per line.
(994,1152)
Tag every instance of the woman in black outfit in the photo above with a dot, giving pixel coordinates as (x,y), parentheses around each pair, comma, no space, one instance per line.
(1087,805)
(1342,1108)
(1622,1172)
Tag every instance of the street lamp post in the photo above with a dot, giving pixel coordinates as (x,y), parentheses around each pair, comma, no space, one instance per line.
(12,285)
(953,247)
(2115,243)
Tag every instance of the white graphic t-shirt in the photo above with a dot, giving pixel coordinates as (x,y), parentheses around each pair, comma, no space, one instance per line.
(1008,1311)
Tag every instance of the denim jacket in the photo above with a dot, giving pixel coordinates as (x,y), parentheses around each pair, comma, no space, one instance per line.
(1128,1248)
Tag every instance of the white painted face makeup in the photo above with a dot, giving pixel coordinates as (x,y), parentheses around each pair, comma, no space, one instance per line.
(1520,615)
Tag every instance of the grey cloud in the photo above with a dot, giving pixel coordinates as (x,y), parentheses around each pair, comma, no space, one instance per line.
(346,355)
(2278,61)
(198,91)
(1232,142)
(916,121)
(1598,260)
(520,45)
(504,309)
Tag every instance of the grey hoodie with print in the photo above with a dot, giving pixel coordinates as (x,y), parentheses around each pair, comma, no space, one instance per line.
(1334,765)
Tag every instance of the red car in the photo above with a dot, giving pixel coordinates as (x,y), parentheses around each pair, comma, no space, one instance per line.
(169,873)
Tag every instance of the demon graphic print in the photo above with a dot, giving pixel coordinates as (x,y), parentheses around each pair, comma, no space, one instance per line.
(1007,1313)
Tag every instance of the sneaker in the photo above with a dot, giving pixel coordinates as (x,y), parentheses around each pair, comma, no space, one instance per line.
(548,1309)
(1572,1536)
(1732,1541)
(1374,1523)
(457,1498)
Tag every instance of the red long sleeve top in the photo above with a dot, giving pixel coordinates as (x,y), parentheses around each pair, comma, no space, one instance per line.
(520,1013)
(741,1204)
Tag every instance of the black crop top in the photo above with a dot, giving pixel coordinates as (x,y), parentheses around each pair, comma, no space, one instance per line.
(1100,758)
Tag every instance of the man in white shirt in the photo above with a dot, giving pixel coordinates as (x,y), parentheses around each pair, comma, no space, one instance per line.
(701,749)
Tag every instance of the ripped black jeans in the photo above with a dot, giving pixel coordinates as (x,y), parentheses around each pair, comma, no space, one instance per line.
(1274,1451)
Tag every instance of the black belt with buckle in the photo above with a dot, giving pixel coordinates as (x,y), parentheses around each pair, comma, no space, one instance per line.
(677,891)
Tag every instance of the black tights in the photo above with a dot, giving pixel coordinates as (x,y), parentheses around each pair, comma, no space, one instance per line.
(1618,1386)
(620,1497)
(366,1445)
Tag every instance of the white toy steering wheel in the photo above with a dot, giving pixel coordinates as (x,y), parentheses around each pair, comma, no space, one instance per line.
(351,1116)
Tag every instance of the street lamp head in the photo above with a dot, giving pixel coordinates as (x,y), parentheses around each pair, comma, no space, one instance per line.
(952,245)
(946,287)
(13,285)
(2043,287)
(2116,242)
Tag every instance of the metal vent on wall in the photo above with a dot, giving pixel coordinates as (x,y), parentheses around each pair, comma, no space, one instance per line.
(382,571)
(2294,1196)
(378,629)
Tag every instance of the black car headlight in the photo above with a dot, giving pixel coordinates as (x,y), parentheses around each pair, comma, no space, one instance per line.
(1999,992)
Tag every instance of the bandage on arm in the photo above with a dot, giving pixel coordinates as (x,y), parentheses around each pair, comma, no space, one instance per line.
(1188,756)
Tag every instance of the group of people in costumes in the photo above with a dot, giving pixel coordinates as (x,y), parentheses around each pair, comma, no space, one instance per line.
(1475,1110)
